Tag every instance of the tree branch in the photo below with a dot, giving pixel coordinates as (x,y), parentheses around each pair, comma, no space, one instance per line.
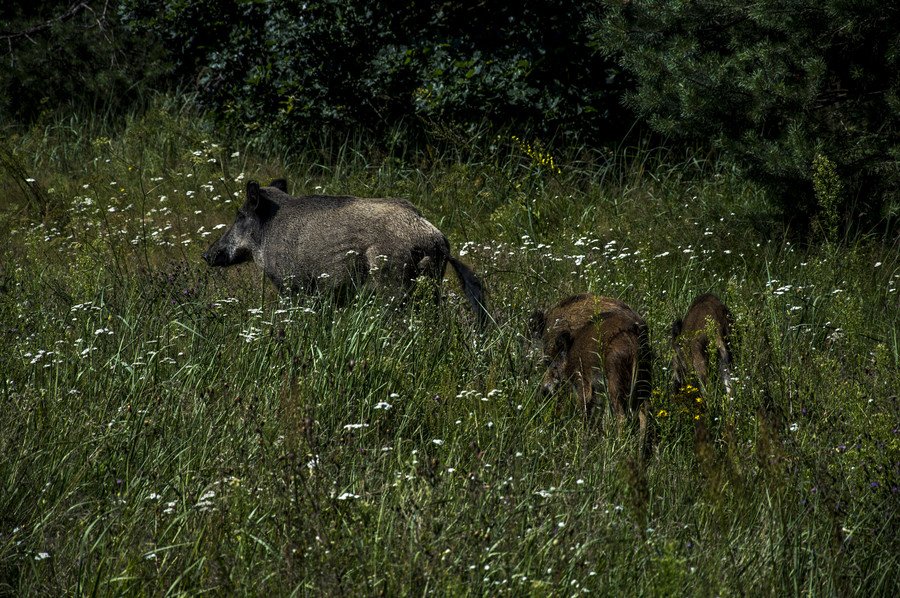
(27,33)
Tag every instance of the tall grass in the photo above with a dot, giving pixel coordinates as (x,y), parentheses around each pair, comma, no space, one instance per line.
(170,429)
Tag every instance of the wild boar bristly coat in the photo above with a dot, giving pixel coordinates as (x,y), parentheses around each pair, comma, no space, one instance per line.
(691,340)
(590,342)
(336,244)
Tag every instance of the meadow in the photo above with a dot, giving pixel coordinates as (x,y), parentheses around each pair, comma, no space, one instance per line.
(171,429)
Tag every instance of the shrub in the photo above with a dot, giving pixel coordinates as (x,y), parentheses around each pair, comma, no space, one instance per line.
(58,53)
(774,85)
(345,64)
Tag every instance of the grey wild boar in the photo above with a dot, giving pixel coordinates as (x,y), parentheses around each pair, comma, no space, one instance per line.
(691,340)
(592,342)
(336,244)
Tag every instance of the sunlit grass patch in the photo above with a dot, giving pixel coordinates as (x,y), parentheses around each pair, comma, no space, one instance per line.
(169,428)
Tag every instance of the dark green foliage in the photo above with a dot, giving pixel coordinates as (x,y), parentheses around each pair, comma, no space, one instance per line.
(775,84)
(59,53)
(347,64)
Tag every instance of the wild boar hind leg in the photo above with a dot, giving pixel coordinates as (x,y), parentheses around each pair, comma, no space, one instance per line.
(378,268)
(389,274)
(585,393)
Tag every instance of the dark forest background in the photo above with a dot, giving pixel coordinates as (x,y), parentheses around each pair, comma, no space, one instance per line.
(803,97)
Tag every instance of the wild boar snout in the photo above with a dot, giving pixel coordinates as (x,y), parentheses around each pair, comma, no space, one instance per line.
(236,245)
(548,386)
(216,256)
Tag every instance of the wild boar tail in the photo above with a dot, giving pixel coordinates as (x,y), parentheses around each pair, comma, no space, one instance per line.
(474,291)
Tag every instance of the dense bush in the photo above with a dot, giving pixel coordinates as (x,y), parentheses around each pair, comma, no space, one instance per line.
(59,53)
(803,95)
(362,64)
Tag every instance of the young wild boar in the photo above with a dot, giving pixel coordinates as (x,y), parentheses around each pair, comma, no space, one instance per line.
(691,341)
(592,341)
(335,244)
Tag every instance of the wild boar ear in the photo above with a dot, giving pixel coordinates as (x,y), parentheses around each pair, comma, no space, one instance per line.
(252,202)
(537,323)
(280,184)
(676,328)
(564,341)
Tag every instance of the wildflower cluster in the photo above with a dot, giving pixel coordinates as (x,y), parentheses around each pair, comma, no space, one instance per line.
(684,403)
(540,157)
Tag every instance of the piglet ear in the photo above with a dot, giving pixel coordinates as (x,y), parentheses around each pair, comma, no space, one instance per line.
(280,184)
(252,202)
(676,328)
(537,323)
(564,342)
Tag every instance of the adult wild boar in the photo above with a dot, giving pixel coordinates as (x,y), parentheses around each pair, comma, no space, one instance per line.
(335,244)
(691,341)
(591,342)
